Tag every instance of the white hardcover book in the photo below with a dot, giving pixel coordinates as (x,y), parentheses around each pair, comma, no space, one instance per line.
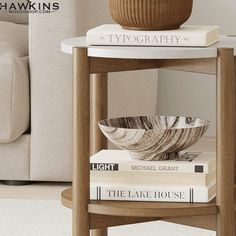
(120,160)
(116,177)
(187,35)
(152,193)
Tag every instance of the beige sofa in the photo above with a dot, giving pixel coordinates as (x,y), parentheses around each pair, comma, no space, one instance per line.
(35,95)
(36,90)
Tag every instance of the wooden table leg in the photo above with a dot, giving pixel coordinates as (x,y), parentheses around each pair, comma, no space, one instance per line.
(235,113)
(99,90)
(226,134)
(81,117)
(99,232)
(99,107)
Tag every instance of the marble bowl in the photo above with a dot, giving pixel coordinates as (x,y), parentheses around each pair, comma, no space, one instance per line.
(154,138)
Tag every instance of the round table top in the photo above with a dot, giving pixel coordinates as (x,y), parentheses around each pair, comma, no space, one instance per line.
(127,52)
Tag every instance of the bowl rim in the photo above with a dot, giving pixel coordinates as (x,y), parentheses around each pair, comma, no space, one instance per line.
(207,123)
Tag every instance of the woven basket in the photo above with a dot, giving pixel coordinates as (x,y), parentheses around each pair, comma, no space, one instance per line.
(150,14)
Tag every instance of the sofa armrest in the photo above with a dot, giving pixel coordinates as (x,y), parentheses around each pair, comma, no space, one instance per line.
(51,92)
(51,86)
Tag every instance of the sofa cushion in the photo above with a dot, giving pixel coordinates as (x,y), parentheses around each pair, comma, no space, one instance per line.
(14,81)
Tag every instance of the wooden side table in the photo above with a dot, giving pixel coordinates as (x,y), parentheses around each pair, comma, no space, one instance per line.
(219,60)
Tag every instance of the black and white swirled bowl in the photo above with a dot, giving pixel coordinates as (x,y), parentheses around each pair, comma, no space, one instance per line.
(154,138)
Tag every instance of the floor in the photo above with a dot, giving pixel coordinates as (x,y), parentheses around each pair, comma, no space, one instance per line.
(16,196)
(21,217)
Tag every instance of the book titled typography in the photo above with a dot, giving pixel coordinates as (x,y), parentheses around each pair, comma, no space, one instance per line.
(152,193)
(121,160)
(188,36)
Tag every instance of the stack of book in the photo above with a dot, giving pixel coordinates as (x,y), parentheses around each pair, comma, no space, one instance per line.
(186,36)
(116,176)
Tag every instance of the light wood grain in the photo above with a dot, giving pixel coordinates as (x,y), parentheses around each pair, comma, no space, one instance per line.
(150,209)
(103,65)
(204,222)
(99,108)
(99,91)
(99,232)
(81,117)
(235,113)
(104,221)
(225,141)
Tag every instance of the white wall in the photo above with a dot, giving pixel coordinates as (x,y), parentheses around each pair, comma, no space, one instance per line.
(130,93)
(193,94)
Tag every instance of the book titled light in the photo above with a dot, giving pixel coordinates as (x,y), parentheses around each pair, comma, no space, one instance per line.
(120,160)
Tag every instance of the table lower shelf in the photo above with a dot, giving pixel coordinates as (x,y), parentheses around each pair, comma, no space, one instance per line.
(143,209)
(113,213)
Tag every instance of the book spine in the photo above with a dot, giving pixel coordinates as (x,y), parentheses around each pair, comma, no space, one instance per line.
(145,39)
(157,167)
(151,194)
(151,178)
